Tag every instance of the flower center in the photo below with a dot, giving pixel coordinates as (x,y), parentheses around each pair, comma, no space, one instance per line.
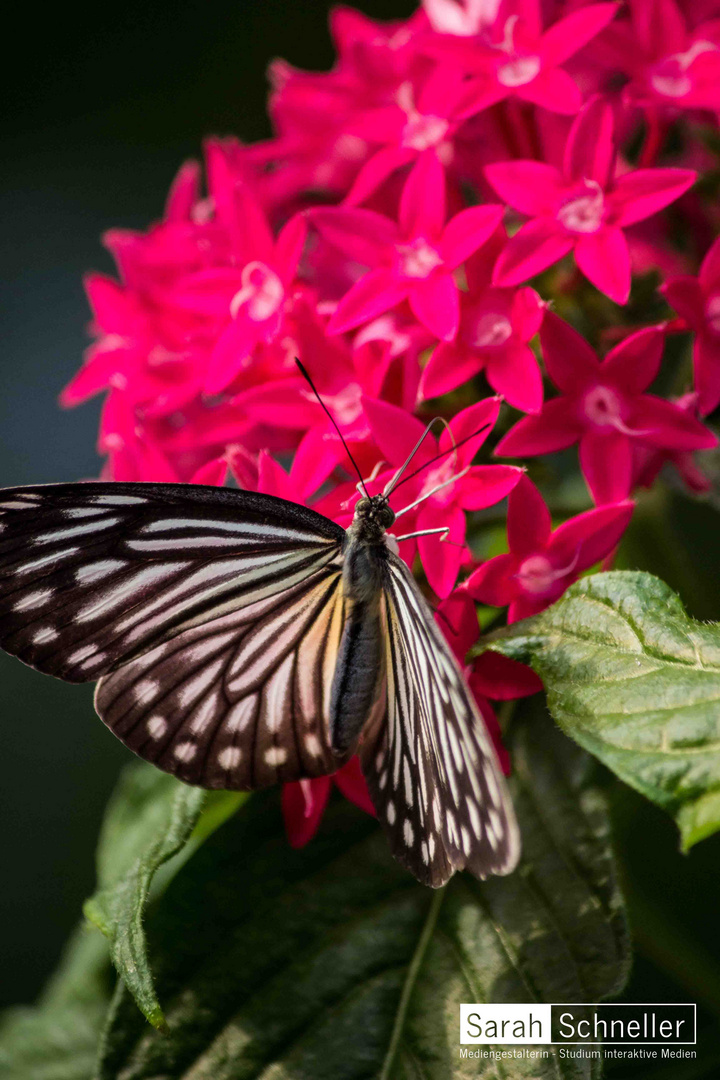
(537,574)
(421,132)
(418,258)
(261,293)
(518,71)
(602,406)
(712,313)
(490,329)
(670,76)
(583,213)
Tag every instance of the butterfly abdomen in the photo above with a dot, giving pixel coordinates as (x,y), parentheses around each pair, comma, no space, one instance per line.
(360,663)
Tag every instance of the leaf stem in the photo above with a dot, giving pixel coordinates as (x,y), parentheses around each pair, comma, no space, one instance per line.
(410,979)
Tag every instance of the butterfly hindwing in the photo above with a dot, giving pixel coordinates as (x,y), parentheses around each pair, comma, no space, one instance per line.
(91,574)
(430,765)
(239,701)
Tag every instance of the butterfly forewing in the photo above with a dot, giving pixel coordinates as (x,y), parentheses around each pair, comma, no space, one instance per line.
(431,767)
(91,574)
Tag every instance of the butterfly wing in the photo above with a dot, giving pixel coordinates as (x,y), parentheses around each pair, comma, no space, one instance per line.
(240,700)
(430,765)
(214,616)
(91,574)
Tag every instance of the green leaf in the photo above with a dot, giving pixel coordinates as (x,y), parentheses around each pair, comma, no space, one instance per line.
(151,818)
(332,962)
(58,1038)
(635,681)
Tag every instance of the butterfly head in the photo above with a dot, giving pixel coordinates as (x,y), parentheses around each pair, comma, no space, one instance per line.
(372,517)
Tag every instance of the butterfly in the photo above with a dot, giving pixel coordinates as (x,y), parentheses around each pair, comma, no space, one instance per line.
(241,640)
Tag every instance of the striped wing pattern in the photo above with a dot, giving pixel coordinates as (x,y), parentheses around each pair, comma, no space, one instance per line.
(430,765)
(156,587)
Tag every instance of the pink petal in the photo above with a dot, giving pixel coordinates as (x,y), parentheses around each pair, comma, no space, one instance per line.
(639,194)
(319,453)
(659,26)
(435,302)
(557,427)
(513,372)
(710,269)
(554,90)
(450,365)
(457,618)
(303,805)
(604,259)
(478,267)
(606,463)
(364,235)
(589,537)
(289,247)
(481,419)
(376,171)
(532,187)
(493,582)
(528,520)
(635,362)
(486,485)
(569,360)
(468,231)
(95,375)
(235,344)
(374,293)
(590,148)
(441,559)
(273,480)
(665,424)
(213,473)
(184,192)
(534,247)
(570,34)
(502,679)
(422,203)
(396,432)
(685,294)
(528,312)
(706,361)
(115,307)
(525,607)
(351,783)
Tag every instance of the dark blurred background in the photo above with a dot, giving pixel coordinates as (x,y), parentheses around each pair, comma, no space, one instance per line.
(99,114)
(99,111)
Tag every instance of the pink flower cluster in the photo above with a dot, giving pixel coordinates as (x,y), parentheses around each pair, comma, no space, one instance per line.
(427,223)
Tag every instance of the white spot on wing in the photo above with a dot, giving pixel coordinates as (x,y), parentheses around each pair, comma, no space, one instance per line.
(33,599)
(145,689)
(156,727)
(96,571)
(44,634)
(75,530)
(185,750)
(229,757)
(312,745)
(408,834)
(276,755)
(390,813)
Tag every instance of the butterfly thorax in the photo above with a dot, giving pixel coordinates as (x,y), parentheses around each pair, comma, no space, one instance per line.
(366,549)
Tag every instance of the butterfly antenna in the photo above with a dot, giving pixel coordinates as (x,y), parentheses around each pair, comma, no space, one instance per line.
(308,380)
(393,483)
(451,450)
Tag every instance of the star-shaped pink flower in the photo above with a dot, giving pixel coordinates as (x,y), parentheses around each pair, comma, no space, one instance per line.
(672,57)
(475,486)
(697,300)
(411,260)
(603,407)
(495,327)
(541,563)
(582,207)
(511,56)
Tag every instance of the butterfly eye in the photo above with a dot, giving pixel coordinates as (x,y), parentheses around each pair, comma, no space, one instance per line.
(385,516)
(362,506)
